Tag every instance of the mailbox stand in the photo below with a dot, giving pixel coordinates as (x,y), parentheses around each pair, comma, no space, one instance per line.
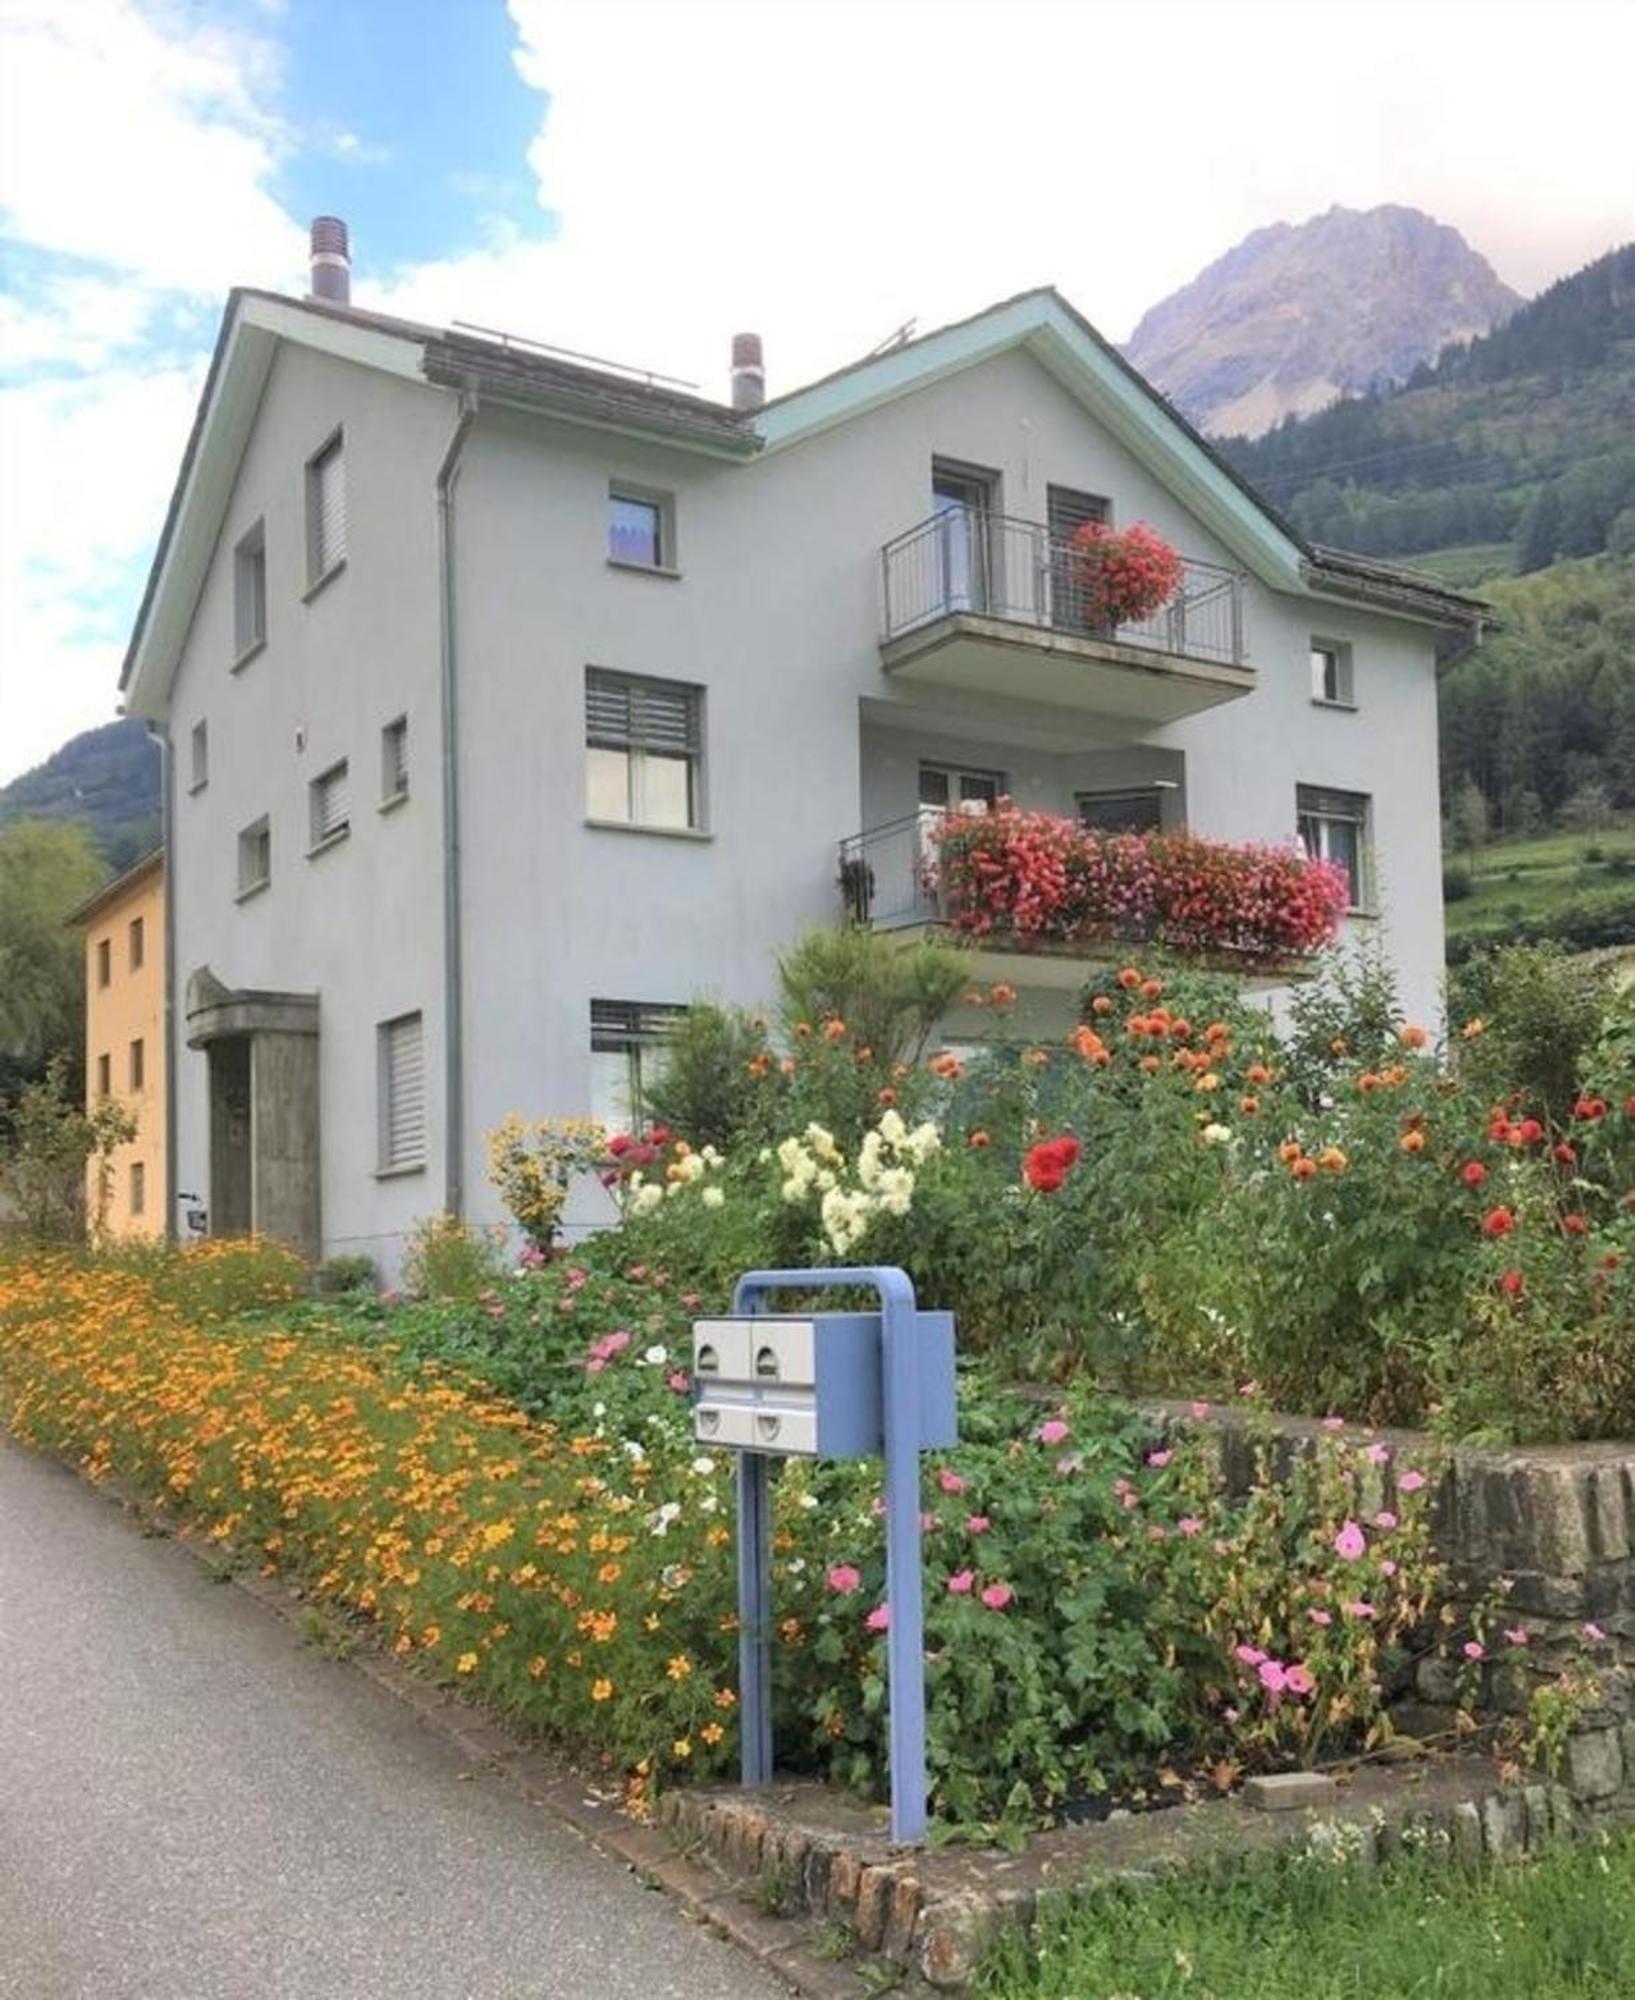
(905,1635)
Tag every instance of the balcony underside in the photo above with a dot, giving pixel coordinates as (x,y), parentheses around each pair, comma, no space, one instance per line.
(1066,967)
(1018,662)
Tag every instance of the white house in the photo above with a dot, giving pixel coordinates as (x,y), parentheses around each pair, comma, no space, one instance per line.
(513,699)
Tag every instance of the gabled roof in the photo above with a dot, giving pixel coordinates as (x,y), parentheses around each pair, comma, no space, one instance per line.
(118,887)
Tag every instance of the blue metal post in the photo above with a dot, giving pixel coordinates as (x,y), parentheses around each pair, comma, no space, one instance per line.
(905,1635)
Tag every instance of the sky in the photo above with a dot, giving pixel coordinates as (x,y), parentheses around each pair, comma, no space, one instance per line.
(640,179)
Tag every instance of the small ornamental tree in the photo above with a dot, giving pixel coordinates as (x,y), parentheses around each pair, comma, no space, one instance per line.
(43,1170)
(1121,575)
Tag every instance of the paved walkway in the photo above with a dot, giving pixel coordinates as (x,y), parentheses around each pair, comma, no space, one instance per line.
(194,1806)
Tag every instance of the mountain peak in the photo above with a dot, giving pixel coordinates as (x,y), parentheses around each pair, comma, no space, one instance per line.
(1299,314)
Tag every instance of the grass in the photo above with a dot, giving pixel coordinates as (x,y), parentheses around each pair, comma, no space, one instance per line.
(1526,880)
(1312,1929)
(1467,566)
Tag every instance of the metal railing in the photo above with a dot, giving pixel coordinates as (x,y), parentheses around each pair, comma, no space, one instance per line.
(886,874)
(995,566)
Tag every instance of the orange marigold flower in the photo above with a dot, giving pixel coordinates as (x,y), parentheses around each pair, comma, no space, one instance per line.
(1036,1058)
(1289,1151)
(1412,1142)
(1332,1160)
(1412,1037)
(1303,1169)
(1152,989)
(1129,978)
(885,1096)
(803,1029)
(712,1733)
(1257,1073)
(466,1663)
(678,1667)
(834,1029)
(601,1689)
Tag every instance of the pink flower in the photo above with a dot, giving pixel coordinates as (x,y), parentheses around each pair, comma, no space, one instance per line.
(1272,1675)
(961,1581)
(1361,1608)
(1334,1423)
(927,1523)
(678,1381)
(879,1618)
(977,1524)
(1159,1459)
(1379,1454)
(1593,1631)
(1248,1388)
(1518,1635)
(1388,1569)
(950,1481)
(1299,1680)
(1322,1617)
(1052,1431)
(1197,1412)
(1385,1519)
(1251,1656)
(997,1596)
(1189,1525)
(1231,1714)
(1410,1482)
(843,1579)
(1473,1649)
(1350,1542)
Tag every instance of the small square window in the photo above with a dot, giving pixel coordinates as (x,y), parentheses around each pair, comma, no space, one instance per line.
(139,1187)
(1331,681)
(394,761)
(402,1094)
(139,1066)
(250,593)
(326,510)
(255,856)
(1335,826)
(105,961)
(643,751)
(627,1054)
(105,1075)
(330,805)
(138,943)
(640,529)
(200,764)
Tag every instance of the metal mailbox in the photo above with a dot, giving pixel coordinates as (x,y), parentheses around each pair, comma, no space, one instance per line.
(811,1387)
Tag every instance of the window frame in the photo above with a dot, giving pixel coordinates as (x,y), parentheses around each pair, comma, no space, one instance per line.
(249,587)
(199,755)
(626,1029)
(663,505)
(956,774)
(136,943)
(105,1074)
(322,837)
(1319,807)
(105,963)
(637,749)
(394,764)
(1340,652)
(136,1066)
(320,570)
(254,839)
(1154,792)
(137,1188)
(388,1164)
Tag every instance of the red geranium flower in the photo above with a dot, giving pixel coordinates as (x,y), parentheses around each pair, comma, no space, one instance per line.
(1473,1173)
(1498,1222)
(1047,1163)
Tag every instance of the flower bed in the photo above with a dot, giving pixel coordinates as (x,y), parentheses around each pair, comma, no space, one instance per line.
(1040,880)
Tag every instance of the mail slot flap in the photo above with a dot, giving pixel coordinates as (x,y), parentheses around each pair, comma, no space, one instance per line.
(784,1350)
(721,1348)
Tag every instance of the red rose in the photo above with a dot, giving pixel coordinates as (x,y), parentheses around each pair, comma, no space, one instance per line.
(1498,1222)
(1473,1173)
(1512,1284)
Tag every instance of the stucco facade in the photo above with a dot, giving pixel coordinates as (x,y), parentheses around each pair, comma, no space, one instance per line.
(125,1058)
(477,591)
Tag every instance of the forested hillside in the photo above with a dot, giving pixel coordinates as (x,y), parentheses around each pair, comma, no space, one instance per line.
(108,778)
(1518,446)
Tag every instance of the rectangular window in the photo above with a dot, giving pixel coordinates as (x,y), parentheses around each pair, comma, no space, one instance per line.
(139,1187)
(105,1075)
(643,751)
(947,786)
(200,756)
(402,1093)
(627,1040)
(255,856)
(639,529)
(1334,826)
(331,812)
(138,942)
(1138,809)
(250,593)
(139,1066)
(394,761)
(964,502)
(1069,510)
(1331,673)
(105,961)
(326,510)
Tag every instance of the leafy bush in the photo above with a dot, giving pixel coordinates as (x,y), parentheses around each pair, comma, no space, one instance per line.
(1540,1012)
(346,1274)
(447,1258)
(43,1163)
(531,1165)
(890,995)
(705,1089)
(210,1282)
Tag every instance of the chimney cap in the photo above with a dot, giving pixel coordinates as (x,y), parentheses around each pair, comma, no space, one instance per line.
(748,372)
(331,278)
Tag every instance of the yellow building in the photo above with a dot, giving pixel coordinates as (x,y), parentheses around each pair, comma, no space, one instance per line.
(125,1040)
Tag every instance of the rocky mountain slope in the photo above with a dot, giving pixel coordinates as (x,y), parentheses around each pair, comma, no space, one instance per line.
(1299,314)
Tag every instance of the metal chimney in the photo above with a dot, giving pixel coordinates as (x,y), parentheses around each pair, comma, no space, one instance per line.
(331,261)
(748,372)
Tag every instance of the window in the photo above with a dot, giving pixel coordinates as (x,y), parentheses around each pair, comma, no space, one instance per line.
(1334,827)
(139,1187)
(1068,510)
(640,531)
(255,856)
(402,1091)
(326,511)
(394,761)
(627,1039)
(946,786)
(250,593)
(1139,809)
(643,751)
(105,1075)
(105,961)
(1331,673)
(201,756)
(138,943)
(964,500)
(138,1066)
(331,814)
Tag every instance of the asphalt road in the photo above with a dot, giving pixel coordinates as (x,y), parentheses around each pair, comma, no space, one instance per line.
(194,1806)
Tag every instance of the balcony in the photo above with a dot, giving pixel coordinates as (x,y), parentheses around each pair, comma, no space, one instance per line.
(1014,885)
(989,604)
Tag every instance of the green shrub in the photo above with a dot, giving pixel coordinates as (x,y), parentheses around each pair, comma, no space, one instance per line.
(346,1274)
(890,996)
(450,1259)
(706,1089)
(1538,1014)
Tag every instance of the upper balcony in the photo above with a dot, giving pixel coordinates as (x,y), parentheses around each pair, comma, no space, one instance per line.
(996,605)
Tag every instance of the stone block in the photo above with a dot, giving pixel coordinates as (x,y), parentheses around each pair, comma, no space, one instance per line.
(1595,1764)
(1289,1791)
(1465,1823)
(901,1918)
(873,1904)
(1503,1825)
(1536,1826)
(845,1874)
(953,1937)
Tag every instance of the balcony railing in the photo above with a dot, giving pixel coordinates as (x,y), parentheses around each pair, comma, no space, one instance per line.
(886,879)
(995,566)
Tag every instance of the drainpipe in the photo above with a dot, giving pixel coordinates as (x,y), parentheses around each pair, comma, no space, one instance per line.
(159,732)
(453,982)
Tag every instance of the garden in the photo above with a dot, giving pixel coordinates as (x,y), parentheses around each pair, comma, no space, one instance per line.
(1176,1207)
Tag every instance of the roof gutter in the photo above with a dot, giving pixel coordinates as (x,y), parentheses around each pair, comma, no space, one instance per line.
(448,473)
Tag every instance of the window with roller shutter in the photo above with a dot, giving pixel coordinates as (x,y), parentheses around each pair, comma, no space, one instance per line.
(402,1095)
(643,751)
(330,804)
(326,510)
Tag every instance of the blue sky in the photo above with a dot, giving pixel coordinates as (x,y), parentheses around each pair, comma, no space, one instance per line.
(643,178)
